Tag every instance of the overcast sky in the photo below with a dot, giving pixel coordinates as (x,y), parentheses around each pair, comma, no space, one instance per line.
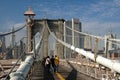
(97,16)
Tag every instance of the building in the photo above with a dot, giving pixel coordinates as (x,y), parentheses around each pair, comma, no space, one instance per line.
(112,50)
(111,45)
(2,46)
(87,43)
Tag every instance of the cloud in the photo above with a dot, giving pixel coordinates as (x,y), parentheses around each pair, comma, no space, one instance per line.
(18,25)
(98,17)
(105,8)
(117,2)
(99,10)
(100,28)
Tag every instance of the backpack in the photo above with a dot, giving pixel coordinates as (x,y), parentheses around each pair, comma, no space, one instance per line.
(47,61)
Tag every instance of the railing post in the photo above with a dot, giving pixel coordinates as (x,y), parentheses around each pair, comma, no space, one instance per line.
(64,40)
(106,47)
(21,50)
(95,48)
(34,47)
(73,36)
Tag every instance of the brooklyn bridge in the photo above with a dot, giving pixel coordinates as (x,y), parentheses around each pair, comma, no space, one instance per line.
(79,55)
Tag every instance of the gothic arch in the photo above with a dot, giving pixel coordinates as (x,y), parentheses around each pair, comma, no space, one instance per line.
(55,25)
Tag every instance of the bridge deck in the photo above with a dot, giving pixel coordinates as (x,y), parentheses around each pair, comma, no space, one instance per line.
(39,73)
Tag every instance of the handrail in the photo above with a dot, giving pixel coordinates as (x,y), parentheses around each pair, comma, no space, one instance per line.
(23,69)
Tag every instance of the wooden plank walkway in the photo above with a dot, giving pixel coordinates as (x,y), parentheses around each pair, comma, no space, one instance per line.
(64,73)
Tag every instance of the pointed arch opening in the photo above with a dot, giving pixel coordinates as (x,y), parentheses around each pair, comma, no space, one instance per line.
(51,45)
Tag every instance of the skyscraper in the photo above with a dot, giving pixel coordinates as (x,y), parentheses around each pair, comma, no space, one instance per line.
(111,46)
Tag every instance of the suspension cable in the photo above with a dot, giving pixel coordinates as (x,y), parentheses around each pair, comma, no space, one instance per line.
(8,33)
(86,34)
(65,44)
(41,38)
(99,59)
(109,40)
(116,40)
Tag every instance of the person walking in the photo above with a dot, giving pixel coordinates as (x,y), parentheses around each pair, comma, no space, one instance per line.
(56,62)
(47,64)
(52,63)
(44,61)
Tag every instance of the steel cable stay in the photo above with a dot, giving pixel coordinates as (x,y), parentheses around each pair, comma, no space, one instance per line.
(8,33)
(99,59)
(65,44)
(41,38)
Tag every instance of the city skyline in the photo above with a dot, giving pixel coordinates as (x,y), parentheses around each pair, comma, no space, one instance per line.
(98,17)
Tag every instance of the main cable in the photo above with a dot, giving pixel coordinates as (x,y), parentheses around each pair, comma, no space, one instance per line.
(8,33)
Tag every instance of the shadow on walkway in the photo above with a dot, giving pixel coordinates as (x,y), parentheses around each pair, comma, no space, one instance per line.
(48,75)
(73,73)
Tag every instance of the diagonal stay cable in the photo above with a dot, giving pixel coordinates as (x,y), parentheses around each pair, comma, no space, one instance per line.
(39,43)
(62,42)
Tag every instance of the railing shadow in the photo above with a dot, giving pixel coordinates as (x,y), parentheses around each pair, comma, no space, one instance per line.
(73,73)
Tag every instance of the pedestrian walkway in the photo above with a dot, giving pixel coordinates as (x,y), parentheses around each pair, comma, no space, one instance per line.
(40,73)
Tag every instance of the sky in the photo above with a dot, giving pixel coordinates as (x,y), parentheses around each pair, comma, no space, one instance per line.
(98,17)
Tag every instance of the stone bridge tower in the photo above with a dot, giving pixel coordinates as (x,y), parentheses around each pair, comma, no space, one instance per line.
(36,25)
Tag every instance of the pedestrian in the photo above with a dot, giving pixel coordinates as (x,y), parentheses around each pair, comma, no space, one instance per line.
(56,62)
(52,63)
(43,61)
(47,64)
